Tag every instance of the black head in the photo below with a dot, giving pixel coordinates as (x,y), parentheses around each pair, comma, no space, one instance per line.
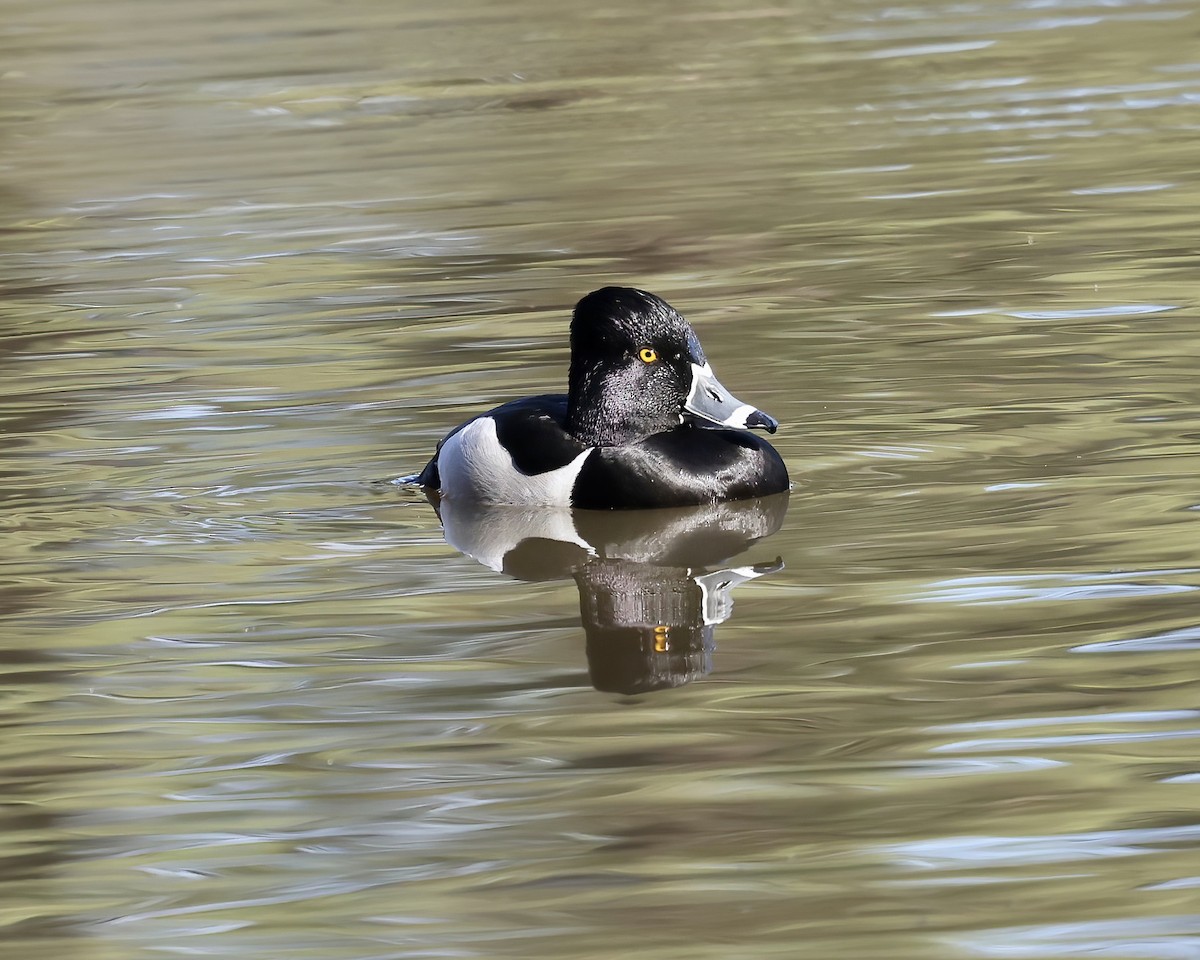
(631,366)
(637,369)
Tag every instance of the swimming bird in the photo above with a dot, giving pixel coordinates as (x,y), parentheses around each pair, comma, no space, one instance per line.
(644,423)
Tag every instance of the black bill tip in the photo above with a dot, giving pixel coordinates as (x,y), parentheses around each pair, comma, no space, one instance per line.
(762,420)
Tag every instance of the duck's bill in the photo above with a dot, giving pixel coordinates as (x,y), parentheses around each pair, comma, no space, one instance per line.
(710,401)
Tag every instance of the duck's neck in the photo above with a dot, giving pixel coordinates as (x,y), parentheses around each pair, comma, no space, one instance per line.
(604,414)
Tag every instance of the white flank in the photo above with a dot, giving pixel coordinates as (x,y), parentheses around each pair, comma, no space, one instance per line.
(474,467)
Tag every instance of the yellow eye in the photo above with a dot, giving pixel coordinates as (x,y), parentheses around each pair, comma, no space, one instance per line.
(648,354)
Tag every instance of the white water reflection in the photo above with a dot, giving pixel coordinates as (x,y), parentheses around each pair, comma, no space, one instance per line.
(1040,588)
(1184,639)
(1151,938)
(951,853)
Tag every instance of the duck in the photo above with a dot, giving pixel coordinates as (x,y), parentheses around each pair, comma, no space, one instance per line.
(644,424)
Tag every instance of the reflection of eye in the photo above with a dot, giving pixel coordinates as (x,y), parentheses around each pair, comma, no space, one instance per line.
(648,354)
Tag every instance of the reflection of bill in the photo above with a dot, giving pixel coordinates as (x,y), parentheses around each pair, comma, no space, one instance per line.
(652,583)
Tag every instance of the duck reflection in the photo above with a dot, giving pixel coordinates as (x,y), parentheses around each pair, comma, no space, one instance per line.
(653,584)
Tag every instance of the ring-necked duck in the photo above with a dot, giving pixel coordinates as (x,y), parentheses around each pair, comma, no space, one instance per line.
(644,423)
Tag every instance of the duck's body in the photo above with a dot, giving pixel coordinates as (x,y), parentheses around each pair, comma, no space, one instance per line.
(629,432)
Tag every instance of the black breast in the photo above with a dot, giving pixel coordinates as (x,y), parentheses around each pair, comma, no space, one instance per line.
(679,468)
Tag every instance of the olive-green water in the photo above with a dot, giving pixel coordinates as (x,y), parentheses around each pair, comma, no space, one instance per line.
(257,257)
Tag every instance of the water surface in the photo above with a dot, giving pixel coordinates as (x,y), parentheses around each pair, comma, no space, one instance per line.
(256,258)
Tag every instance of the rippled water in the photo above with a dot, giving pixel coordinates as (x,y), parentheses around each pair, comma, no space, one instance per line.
(257,257)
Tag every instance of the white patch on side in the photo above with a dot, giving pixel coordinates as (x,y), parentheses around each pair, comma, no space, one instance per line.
(473,466)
